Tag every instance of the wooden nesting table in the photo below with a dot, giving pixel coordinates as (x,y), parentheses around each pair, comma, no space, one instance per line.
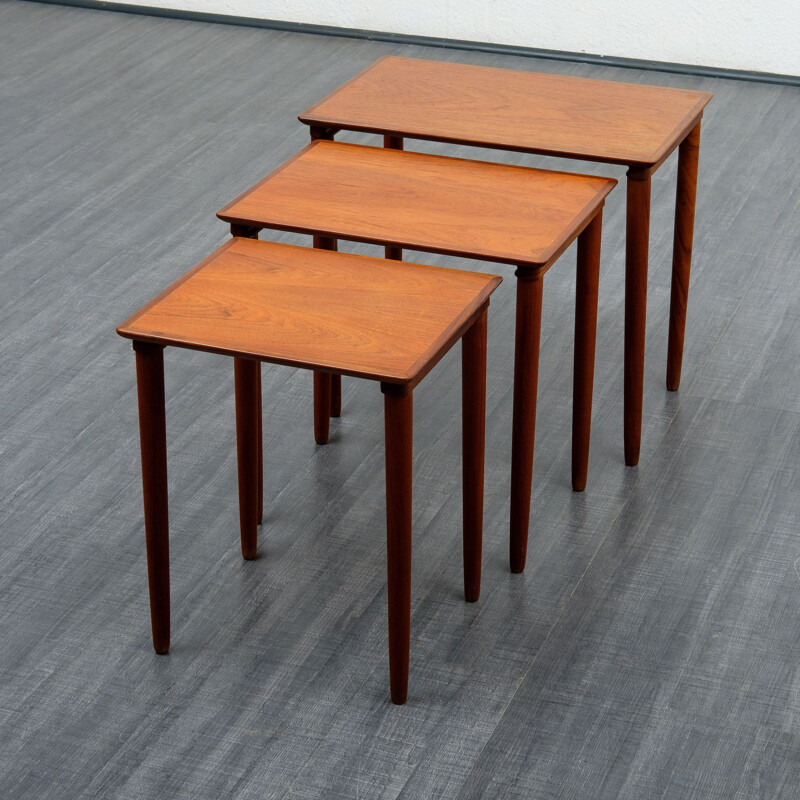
(617,123)
(330,312)
(494,212)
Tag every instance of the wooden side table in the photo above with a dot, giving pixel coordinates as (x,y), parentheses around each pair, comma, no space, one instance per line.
(494,212)
(330,312)
(617,123)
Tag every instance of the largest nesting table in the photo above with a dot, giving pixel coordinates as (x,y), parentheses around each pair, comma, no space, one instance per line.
(493,212)
(617,123)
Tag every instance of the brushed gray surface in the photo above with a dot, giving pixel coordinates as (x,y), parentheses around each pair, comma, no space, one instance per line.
(649,650)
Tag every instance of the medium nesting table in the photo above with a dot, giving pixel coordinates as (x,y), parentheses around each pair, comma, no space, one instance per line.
(494,212)
(366,317)
(617,123)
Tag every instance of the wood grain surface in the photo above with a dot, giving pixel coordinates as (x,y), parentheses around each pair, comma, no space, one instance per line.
(316,309)
(561,115)
(496,212)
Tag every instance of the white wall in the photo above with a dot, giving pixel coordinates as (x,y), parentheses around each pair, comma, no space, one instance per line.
(761,35)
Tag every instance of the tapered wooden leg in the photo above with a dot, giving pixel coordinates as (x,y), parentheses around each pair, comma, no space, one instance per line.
(526,377)
(246,374)
(325,243)
(473,437)
(336,395)
(153,439)
(335,402)
(249,232)
(260,451)
(398,409)
(636,250)
(585,332)
(322,404)
(688,156)
(393,143)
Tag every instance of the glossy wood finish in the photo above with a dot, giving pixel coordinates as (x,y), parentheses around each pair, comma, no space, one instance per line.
(473,437)
(560,115)
(621,123)
(248,420)
(688,156)
(636,253)
(587,284)
(286,304)
(153,442)
(526,380)
(423,202)
(399,436)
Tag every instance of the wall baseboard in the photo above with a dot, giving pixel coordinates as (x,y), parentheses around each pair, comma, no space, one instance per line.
(433,41)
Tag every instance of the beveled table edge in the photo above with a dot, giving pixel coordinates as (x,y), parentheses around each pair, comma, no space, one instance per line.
(543,259)
(656,159)
(424,363)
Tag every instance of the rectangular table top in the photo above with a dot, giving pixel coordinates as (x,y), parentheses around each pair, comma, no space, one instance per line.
(369,317)
(620,123)
(476,209)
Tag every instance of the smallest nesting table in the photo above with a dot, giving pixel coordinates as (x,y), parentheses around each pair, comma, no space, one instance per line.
(333,313)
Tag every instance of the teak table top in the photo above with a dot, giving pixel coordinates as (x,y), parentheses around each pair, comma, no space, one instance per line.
(495,212)
(619,123)
(368,317)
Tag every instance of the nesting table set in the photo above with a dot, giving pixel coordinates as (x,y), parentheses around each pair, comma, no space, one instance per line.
(391,321)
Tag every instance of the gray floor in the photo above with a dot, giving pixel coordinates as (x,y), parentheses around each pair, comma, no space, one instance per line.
(651,649)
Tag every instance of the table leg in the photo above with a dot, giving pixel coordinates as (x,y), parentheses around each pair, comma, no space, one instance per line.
(688,156)
(585,334)
(153,439)
(393,143)
(322,404)
(473,436)
(336,395)
(335,403)
(526,376)
(637,242)
(248,232)
(260,446)
(326,243)
(246,372)
(244,231)
(398,411)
